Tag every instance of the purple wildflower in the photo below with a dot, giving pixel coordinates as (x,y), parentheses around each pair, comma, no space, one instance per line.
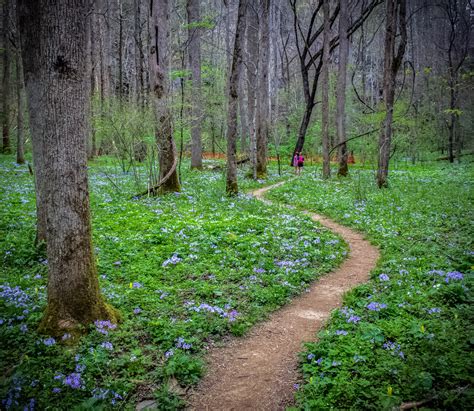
(103,326)
(341,332)
(232,315)
(73,380)
(173,260)
(353,319)
(107,345)
(374,306)
(137,285)
(56,390)
(384,277)
(453,275)
(181,343)
(137,310)
(310,356)
(49,341)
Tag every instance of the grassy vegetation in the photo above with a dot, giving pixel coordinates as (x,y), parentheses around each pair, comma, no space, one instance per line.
(407,334)
(183,269)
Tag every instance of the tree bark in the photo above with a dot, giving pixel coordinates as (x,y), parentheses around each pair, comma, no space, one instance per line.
(341,87)
(194,54)
(263,112)
(252,51)
(139,57)
(325,92)
(244,128)
(20,142)
(395,18)
(159,73)
(231,175)
(54,56)
(6,148)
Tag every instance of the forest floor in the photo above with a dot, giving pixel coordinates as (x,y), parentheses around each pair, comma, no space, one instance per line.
(260,370)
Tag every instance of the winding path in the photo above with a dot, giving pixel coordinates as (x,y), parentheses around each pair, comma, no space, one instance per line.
(258,371)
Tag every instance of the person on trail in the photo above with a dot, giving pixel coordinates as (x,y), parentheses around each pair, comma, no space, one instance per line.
(298,162)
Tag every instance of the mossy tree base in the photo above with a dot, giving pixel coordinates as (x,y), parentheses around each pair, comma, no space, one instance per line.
(59,320)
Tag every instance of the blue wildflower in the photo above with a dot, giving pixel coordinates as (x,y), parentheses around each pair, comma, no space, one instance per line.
(453,275)
(374,306)
(107,345)
(49,341)
(73,380)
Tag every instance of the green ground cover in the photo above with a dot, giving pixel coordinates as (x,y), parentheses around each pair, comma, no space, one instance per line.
(184,269)
(407,334)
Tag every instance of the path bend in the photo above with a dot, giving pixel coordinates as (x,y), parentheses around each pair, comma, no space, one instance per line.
(258,371)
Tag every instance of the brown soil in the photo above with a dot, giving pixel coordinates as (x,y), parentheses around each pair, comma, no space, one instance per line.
(258,371)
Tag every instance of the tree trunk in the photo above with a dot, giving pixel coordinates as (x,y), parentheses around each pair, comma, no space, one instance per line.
(120,51)
(20,142)
(104,38)
(139,57)
(251,68)
(159,74)
(54,56)
(94,76)
(395,17)
(452,117)
(244,128)
(194,53)
(341,87)
(263,112)
(325,92)
(231,177)
(6,148)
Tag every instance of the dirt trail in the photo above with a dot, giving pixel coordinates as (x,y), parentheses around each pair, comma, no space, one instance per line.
(258,371)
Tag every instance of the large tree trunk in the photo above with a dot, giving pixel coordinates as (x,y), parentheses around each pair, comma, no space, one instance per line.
(159,73)
(395,17)
(325,92)
(105,55)
(231,177)
(194,53)
(6,149)
(244,128)
(120,51)
(341,86)
(20,141)
(263,112)
(252,51)
(139,57)
(54,47)
(94,76)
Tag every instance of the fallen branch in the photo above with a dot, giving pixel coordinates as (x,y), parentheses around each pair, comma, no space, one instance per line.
(153,190)
(353,138)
